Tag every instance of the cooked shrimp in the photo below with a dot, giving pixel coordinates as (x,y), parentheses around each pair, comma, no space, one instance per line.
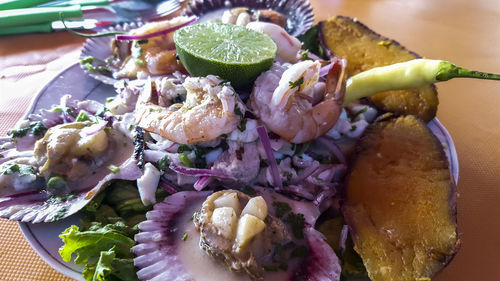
(156,55)
(288,46)
(210,110)
(297,108)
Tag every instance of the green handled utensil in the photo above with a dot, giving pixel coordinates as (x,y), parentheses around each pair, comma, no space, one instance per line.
(31,16)
(64,3)
(19,4)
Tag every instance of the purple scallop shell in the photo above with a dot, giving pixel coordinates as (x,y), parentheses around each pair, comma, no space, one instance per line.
(299,13)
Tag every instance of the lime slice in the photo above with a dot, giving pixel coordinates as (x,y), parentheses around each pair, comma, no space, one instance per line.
(234,53)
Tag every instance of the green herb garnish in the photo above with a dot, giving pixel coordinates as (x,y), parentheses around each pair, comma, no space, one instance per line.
(237,111)
(243,125)
(183,148)
(296,222)
(184,237)
(248,190)
(114,169)
(163,163)
(297,83)
(82,116)
(281,208)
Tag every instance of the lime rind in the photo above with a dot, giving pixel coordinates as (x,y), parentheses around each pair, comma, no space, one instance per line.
(234,53)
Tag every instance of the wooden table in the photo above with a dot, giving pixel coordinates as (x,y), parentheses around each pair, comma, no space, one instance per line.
(464,32)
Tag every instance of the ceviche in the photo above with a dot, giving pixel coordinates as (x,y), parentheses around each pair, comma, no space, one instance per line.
(234,151)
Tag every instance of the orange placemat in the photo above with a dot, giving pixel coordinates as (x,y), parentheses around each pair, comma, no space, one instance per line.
(17,255)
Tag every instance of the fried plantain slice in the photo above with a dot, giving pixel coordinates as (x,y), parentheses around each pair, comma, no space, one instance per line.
(400,202)
(365,49)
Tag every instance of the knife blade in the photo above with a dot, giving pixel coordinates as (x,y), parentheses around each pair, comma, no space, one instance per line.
(55,26)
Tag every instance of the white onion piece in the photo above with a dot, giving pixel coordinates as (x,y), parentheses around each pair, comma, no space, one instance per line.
(148,183)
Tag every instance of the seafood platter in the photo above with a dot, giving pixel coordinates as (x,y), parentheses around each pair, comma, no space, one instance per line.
(240,141)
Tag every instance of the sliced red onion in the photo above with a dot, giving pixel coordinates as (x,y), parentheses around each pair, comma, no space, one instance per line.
(121,37)
(199,172)
(202,182)
(154,155)
(306,172)
(168,187)
(325,194)
(264,139)
(325,69)
(13,153)
(156,250)
(298,190)
(343,236)
(94,128)
(333,148)
(26,143)
(323,264)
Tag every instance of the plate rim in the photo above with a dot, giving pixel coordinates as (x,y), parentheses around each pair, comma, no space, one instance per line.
(62,268)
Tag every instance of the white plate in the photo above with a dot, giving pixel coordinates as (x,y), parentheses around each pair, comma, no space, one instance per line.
(43,237)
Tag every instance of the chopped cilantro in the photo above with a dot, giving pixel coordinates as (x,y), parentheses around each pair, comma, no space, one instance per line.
(243,125)
(360,112)
(353,128)
(200,160)
(296,222)
(288,176)
(99,68)
(60,213)
(88,59)
(297,83)
(305,55)
(82,116)
(38,129)
(100,113)
(163,163)
(23,170)
(183,147)
(248,190)
(184,237)
(114,169)
(143,41)
(19,133)
(237,111)
(281,208)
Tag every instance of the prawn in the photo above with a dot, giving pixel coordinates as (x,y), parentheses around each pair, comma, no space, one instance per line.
(156,55)
(209,111)
(288,46)
(300,109)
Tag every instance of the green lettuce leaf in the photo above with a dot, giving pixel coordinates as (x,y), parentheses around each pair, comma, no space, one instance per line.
(88,244)
(110,268)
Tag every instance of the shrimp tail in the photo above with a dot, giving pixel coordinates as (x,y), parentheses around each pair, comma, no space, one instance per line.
(327,112)
(336,80)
